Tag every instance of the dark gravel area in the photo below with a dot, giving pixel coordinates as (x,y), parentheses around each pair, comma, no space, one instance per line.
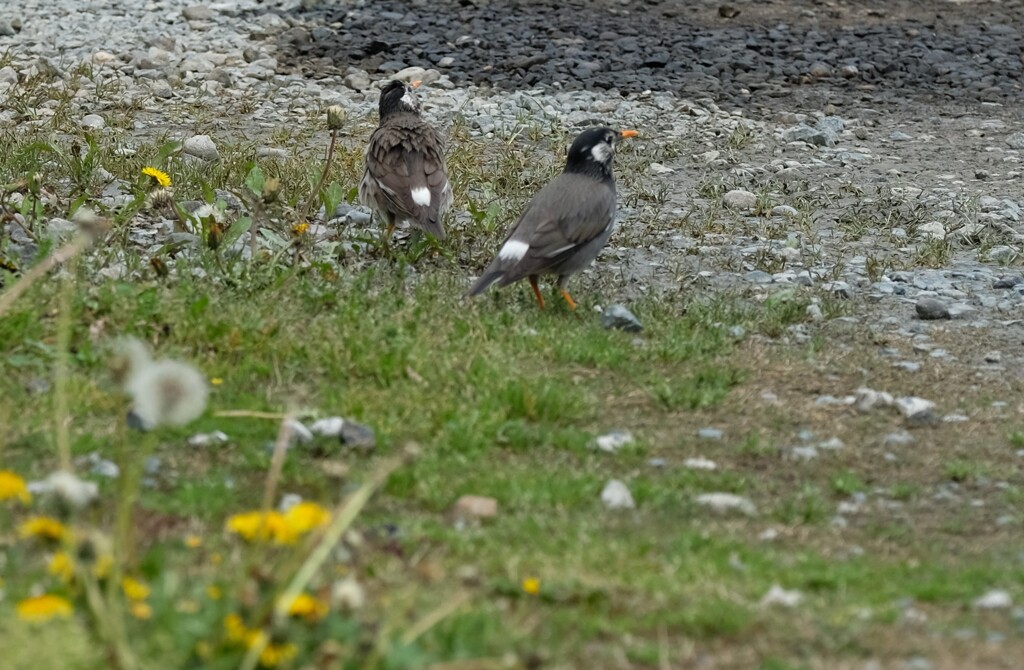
(768,53)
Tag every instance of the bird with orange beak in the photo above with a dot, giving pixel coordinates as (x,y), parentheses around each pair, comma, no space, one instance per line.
(568,222)
(405,180)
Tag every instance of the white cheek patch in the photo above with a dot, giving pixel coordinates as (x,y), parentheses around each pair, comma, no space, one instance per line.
(513,250)
(408,100)
(601,152)
(421,196)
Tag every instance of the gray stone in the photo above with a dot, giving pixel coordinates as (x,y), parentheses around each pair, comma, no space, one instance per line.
(816,136)
(617,316)
(1002,254)
(709,434)
(198,13)
(357,80)
(358,436)
(759,277)
(201,146)
(1016,141)
(899,136)
(785,210)
(930,309)
(8,75)
(739,199)
(416,73)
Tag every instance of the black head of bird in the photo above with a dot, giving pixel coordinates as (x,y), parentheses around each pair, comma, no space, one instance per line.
(405,178)
(566,224)
(397,97)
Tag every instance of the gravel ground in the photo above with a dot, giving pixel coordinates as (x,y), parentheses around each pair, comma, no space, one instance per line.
(873,150)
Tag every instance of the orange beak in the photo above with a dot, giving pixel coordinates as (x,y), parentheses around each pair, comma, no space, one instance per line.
(416,84)
(628,133)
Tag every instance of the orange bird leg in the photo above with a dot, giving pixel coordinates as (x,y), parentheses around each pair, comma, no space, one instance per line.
(536,291)
(568,299)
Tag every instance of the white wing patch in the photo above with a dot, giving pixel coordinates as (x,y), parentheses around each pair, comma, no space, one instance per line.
(513,250)
(421,196)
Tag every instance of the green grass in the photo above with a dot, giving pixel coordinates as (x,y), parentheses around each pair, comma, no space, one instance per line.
(505,401)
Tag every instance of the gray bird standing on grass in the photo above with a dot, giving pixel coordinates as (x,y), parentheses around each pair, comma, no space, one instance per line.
(567,223)
(405,178)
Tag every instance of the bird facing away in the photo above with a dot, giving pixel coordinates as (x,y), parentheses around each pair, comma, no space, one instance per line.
(405,178)
(566,224)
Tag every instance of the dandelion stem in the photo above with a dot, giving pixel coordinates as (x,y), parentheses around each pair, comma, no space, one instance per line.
(284,435)
(434,617)
(62,434)
(304,210)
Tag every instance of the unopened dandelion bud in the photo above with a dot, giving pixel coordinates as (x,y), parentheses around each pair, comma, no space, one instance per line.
(336,117)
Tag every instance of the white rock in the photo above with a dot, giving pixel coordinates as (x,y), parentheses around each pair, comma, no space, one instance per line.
(912,406)
(933,230)
(994,600)
(658,168)
(700,463)
(415,73)
(288,501)
(329,427)
(93,121)
(201,146)
(779,596)
(299,432)
(739,199)
(727,502)
(207,439)
(614,441)
(867,399)
(785,210)
(616,495)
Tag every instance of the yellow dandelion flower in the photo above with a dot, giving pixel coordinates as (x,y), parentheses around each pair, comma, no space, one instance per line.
(262,527)
(216,558)
(213,592)
(13,486)
(531,585)
(43,528)
(235,628)
(277,653)
(299,229)
(307,607)
(43,608)
(162,179)
(134,589)
(62,566)
(306,516)
(141,610)
(193,541)
(102,567)
(216,381)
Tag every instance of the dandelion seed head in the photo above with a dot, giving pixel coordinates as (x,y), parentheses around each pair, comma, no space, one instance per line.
(168,393)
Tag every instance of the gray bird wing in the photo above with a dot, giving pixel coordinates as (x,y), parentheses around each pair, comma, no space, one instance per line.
(566,215)
(404,156)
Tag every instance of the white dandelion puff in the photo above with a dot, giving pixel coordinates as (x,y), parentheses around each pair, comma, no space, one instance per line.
(164,392)
(76,493)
